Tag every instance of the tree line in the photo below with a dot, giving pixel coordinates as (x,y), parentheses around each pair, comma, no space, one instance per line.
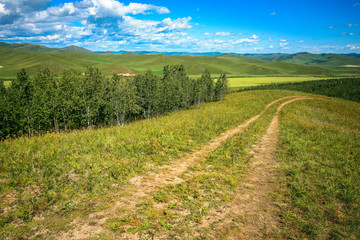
(48,102)
(345,88)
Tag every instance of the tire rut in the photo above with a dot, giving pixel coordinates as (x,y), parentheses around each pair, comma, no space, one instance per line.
(139,187)
(260,215)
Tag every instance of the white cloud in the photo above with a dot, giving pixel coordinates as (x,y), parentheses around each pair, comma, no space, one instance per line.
(353,46)
(223,33)
(3,10)
(283,44)
(300,41)
(331,27)
(179,24)
(273,13)
(252,39)
(283,40)
(352,25)
(113,8)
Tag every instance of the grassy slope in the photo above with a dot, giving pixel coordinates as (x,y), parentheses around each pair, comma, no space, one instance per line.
(320,160)
(66,176)
(242,82)
(13,60)
(328,61)
(61,176)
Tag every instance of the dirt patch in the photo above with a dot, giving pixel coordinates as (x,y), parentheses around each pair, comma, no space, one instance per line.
(1,66)
(138,187)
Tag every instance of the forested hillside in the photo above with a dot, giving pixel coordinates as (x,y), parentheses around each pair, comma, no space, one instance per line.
(74,100)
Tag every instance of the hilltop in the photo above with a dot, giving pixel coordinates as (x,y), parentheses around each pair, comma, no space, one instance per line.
(40,48)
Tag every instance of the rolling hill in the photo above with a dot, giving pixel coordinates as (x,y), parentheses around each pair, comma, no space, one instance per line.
(338,62)
(40,48)
(13,60)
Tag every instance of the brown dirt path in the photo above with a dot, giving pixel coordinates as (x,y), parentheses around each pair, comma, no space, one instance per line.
(139,187)
(251,203)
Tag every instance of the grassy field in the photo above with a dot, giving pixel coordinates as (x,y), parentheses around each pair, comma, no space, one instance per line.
(320,158)
(48,183)
(242,82)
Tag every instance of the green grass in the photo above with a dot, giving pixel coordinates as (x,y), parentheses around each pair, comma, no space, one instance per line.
(46,182)
(206,189)
(320,161)
(65,175)
(241,82)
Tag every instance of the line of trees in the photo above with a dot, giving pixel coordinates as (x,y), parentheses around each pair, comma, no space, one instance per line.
(47,102)
(345,88)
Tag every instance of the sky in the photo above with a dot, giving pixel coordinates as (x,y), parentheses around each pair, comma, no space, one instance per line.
(238,26)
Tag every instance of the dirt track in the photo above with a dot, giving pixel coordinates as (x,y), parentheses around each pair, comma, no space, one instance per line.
(250,200)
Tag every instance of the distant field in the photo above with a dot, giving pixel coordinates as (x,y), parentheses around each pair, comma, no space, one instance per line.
(7,83)
(241,82)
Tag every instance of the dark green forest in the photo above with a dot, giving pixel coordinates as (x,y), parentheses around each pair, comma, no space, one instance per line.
(345,88)
(48,102)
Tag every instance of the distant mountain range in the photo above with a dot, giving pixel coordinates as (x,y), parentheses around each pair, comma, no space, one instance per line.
(40,48)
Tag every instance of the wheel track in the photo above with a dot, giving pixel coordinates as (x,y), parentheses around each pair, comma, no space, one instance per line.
(251,201)
(139,187)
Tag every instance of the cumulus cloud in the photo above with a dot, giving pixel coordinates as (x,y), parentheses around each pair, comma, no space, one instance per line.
(283,44)
(273,13)
(353,46)
(224,34)
(253,39)
(352,25)
(97,22)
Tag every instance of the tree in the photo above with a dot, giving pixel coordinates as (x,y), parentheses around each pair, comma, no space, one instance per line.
(71,106)
(221,87)
(148,90)
(19,104)
(123,100)
(92,92)
(3,111)
(46,101)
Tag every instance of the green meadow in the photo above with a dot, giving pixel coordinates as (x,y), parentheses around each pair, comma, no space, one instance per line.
(242,82)
(49,182)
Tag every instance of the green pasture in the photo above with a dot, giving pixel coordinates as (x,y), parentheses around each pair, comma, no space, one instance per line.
(241,82)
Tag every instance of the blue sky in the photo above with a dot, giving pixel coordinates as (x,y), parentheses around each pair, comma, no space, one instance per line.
(243,26)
